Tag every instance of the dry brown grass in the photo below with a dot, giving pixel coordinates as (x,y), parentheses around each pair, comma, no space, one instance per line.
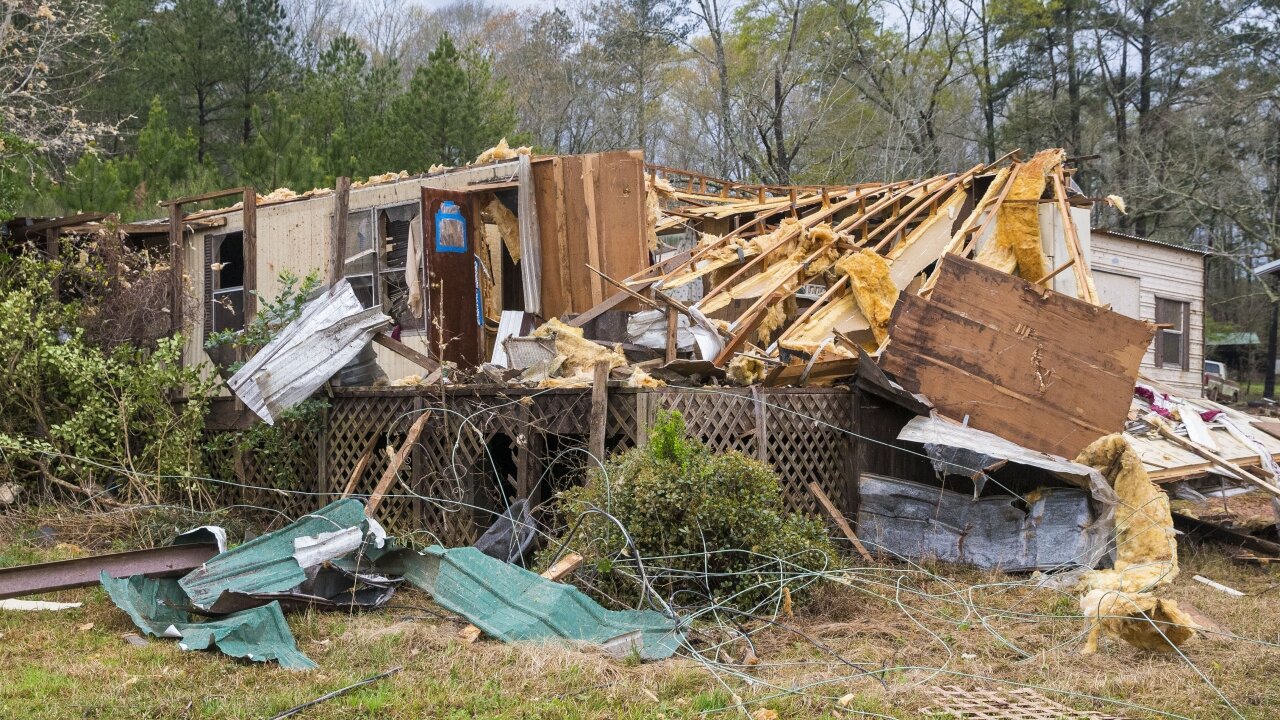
(73,664)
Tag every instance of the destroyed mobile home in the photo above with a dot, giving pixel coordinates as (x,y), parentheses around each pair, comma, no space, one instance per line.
(927,357)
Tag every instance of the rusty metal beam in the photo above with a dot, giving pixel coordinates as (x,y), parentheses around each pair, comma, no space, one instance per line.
(174,560)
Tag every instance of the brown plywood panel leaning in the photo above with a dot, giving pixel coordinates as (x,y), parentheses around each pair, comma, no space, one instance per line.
(1031,365)
(548,187)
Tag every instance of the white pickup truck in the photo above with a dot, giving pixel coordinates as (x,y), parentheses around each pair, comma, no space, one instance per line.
(1216,385)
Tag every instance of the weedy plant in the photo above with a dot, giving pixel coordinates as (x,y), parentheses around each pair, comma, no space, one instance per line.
(266,451)
(85,414)
(713,525)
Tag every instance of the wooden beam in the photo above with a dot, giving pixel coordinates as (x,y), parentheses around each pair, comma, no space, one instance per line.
(841,523)
(389,477)
(673,327)
(555,573)
(1055,272)
(406,352)
(1232,469)
(599,409)
(202,197)
(62,222)
(176,293)
(593,235)
(249,238)
(1084,281)
(338,229)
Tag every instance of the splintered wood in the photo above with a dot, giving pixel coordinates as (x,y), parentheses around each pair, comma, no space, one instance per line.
(1017,704)
(1033,366)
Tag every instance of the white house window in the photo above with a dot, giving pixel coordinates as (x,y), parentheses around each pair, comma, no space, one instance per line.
(1172,347)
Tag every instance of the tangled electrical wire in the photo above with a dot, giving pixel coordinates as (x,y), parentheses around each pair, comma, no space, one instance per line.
(717,627)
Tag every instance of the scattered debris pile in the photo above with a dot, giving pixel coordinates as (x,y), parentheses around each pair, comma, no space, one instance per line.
(335,558)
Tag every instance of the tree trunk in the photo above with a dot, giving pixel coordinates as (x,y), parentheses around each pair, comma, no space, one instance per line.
(1269,369)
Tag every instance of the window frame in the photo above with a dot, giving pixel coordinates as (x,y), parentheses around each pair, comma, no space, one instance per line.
(1183,333)
(212,292)
(378,274)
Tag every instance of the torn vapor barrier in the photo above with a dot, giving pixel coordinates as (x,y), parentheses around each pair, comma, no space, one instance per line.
(1046,529)
(156,606)
(513,604)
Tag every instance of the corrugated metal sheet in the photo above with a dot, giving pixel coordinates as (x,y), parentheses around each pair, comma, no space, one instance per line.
(918,521)
(276,562)
(260,634)
(513,604)
(331,331)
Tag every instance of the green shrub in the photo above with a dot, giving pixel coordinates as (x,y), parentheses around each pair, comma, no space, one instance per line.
(89,416)
(712,526)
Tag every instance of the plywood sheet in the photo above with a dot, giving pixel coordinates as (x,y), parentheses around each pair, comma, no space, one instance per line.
(1033,366)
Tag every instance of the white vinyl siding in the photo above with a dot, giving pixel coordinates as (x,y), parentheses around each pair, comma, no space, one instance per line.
(1162,272)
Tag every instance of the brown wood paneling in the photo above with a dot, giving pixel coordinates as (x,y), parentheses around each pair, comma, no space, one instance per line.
(590,212)
(1031,365)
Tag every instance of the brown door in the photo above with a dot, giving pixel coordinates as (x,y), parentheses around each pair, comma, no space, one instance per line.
(451,276)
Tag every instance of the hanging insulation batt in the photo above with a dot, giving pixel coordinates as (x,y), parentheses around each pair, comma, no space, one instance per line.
(1016,245)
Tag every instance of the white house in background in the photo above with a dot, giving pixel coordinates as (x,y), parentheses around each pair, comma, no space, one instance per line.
(1163,283)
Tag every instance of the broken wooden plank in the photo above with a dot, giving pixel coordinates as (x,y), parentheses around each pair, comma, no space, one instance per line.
(362,465)
(406,352)
(388,477)
(599,410)
(338,229)
(1031,365)
(1231,468)
(841,523)
(555,573)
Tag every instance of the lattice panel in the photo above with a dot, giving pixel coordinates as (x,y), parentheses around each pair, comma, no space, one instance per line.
(724,419)
(621,421)
(353,422)
(806,444)
(1018,704)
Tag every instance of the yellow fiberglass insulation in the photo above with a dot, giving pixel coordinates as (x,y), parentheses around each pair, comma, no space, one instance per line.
(652,216)
(1016,245)
(507,224)
(774,316)
(1120,601)
(1140,619)
(580,354)
(501,151)
(873,288)
(1146,551)
(744,370)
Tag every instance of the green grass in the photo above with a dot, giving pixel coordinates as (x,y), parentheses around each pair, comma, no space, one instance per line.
(75,664)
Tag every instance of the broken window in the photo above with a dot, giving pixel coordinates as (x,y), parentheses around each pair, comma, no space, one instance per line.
(224,283)
(1172,349)
(377,250)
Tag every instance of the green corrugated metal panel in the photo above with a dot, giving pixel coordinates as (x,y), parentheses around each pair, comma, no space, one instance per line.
(267,564)
(260,634)
(512,604)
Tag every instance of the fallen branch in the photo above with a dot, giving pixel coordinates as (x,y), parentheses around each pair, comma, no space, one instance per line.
(329,696)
